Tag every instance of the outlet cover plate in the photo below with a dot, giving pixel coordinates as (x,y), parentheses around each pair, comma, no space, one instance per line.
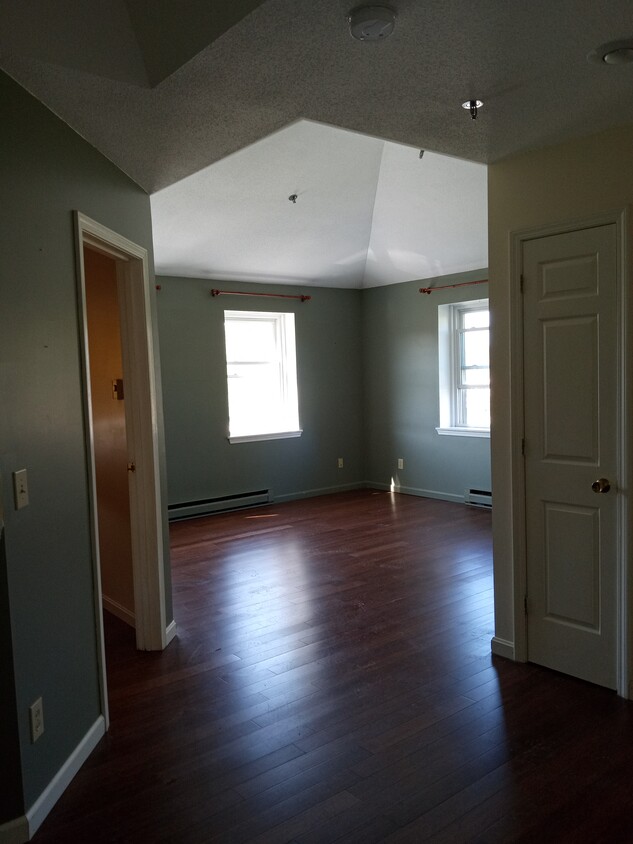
(36,718)
(20,489)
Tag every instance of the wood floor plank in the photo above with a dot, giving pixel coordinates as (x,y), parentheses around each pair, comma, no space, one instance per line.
(332,681)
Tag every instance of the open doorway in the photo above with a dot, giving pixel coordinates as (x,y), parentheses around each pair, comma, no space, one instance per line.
(125,490)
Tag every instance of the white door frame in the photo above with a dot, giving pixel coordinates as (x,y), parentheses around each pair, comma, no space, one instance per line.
(146,510)
(622,221)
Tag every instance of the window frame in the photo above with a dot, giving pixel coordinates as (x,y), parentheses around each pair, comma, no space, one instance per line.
(285,358)
(451,382)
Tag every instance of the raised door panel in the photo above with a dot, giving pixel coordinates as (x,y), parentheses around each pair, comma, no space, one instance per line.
(571,401)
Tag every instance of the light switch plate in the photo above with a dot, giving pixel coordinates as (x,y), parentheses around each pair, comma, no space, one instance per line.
(20,489)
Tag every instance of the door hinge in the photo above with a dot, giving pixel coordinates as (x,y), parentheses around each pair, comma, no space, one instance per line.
(523,446)
(525,604)
(521,282)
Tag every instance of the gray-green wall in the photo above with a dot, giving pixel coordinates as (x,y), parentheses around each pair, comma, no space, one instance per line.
(46,172)
(367,363)
(48,645)
(401,392)
(201,463)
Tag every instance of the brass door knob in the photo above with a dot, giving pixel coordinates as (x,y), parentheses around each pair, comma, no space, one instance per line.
(601,485)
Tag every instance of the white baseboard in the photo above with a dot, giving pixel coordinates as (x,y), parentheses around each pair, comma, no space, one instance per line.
(501,647)
(170,632)
(119,611)
(422,493)
(313,493)
(62,779)
(15,831)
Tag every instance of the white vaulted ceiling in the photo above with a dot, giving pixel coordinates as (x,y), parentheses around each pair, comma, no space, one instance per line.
(367,212)
(168,89)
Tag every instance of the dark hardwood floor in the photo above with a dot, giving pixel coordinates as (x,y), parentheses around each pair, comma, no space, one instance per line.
(332,681)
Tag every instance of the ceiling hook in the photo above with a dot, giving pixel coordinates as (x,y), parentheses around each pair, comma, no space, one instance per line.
(473,106)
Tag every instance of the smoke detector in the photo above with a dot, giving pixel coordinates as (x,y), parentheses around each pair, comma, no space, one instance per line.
(371,23)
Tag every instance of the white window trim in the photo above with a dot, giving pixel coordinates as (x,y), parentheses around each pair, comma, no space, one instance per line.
(448,352)
(277,435)
(463,432)
(289,371)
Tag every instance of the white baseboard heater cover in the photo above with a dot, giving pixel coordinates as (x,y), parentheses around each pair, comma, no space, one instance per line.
(478,497)
(190,509)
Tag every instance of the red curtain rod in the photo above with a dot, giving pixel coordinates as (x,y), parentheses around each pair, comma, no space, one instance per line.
(430,290)
(271,295)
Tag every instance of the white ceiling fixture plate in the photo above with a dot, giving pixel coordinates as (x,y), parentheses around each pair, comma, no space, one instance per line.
(612,53)
(371,23)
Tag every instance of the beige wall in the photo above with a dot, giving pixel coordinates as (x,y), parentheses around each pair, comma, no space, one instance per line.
(110,443)
(573,181)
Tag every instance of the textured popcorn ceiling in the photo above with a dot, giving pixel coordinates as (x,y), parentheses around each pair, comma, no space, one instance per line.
(137,81)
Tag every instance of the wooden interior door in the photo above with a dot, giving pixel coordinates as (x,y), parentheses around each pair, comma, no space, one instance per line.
(109,435)
(571,435)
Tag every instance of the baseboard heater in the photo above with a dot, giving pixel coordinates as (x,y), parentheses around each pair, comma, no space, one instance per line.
(204,507)
(478,498)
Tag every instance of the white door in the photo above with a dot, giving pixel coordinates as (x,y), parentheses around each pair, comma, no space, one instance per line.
(571,442)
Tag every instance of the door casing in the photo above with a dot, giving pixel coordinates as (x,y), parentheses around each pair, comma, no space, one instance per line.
(146,505)
(622,221)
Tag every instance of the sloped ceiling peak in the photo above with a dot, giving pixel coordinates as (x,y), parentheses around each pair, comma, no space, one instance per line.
(135,42)
(234,220)
(87,37)
(430,217)
(367,212)
(169,35)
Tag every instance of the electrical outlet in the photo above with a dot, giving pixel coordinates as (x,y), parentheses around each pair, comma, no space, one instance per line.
(20,489)
(36,715)
(401,463)
(340,462)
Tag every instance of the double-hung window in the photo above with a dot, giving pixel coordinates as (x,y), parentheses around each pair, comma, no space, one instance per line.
(261,375)
(464,340)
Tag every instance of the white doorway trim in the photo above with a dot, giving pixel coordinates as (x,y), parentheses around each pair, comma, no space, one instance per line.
(146,510)
(622,221)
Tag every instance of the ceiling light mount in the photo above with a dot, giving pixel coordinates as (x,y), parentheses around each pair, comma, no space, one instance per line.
(473,107)
(612,53)
(371,23)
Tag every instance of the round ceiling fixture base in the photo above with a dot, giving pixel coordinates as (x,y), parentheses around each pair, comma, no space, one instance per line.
(371,23)
(612,53)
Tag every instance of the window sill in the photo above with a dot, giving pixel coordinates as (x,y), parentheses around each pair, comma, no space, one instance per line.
(253,438)
(464,432)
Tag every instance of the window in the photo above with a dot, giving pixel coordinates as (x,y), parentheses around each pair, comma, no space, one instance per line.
(464,339)
(261,375)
